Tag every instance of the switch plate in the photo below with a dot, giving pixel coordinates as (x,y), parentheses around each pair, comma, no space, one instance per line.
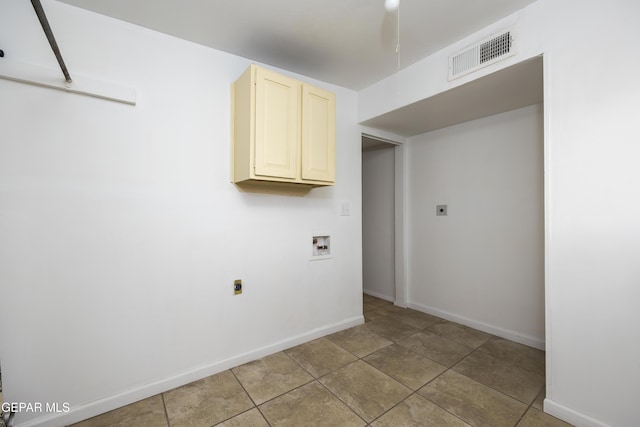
(237,287)
(345,209)
(441,210)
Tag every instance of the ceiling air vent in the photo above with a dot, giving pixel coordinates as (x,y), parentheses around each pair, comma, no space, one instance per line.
(483,53)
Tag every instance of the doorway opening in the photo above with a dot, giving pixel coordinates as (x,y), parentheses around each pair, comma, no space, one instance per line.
(379,217)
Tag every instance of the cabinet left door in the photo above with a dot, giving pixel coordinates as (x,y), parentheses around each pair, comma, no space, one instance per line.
(277,125)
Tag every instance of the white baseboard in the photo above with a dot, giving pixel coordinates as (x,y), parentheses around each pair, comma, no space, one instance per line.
(570,416)
(494,330)
(378,295)
(92,409)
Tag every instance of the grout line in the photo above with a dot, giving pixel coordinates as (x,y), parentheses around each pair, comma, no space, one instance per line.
(530,405)
(414,392)
(343,402)
(511,363)
(250,398)
(283,393)
(243,388)
(243,412)
(263,416)
(438,406)
(164,406)
(493,388)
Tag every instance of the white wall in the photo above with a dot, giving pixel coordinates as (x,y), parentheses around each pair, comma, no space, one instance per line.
(593,194)
(120,234)
(378,222)
(482,264)
(592,198)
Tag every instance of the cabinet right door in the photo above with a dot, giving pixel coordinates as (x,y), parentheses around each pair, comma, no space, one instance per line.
(318,134)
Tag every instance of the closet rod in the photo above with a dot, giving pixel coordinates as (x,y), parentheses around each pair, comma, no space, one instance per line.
(37,6)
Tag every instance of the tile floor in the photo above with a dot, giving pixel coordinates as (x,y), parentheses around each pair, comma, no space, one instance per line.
(401,368)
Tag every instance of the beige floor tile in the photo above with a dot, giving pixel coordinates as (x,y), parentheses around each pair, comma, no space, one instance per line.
(368,298)
(207,401)
(359,341)
(518,354)
(415,411)
(538,403)
(373,315)
(252,418)
(321,356)
(536,418)
(406,366)
(309,405)
(271,376)
(365,389)
(367,307)
(415,318)
(145,413)
(390,328)
(380,302)
(460,334)
(473,402)
(509,379)
(389,309)
(436,348)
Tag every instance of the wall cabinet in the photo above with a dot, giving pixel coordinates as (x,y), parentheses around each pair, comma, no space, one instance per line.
(283,132)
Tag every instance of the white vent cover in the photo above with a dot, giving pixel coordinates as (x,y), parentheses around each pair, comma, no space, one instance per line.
(485,52)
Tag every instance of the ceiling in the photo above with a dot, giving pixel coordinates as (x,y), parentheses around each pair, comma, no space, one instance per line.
(510,88)
(349,43)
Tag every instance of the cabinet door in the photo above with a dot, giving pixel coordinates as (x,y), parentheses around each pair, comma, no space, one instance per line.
(318,134)
(277,125)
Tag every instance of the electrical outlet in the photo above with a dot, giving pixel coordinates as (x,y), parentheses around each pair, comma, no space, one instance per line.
(237,287)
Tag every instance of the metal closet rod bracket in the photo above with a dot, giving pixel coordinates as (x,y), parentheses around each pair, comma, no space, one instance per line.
(37,6)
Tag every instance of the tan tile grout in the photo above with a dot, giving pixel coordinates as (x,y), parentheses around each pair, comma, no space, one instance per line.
(250,398)
(166,413)
(343,402)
